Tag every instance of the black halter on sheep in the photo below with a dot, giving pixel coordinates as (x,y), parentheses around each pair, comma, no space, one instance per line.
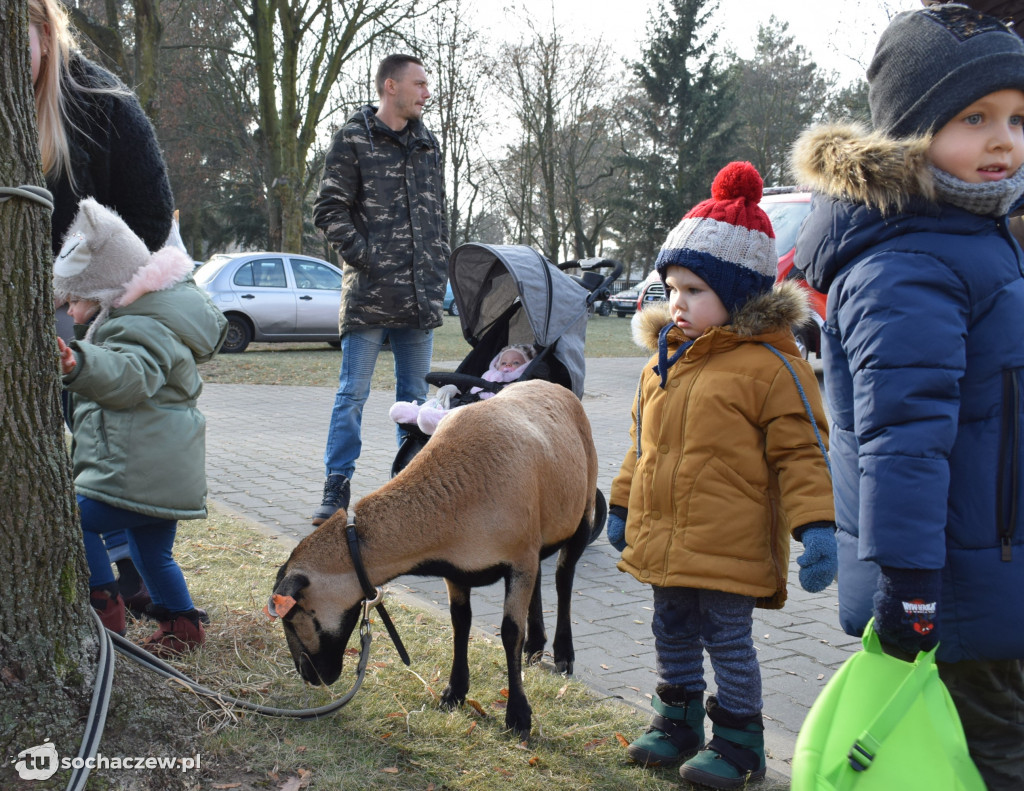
(503,484)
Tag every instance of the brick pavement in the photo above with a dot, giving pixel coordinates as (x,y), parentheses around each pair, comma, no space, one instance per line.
(264,460)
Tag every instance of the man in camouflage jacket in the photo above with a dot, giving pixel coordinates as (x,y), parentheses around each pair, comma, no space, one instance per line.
(381,205)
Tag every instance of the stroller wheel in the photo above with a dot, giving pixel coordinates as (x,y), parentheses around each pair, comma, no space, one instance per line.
(600,516)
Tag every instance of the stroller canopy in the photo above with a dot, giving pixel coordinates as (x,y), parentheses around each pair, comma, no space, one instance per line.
(488,279)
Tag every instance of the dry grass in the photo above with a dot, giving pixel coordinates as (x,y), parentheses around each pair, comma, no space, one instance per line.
(317,364)
(392,735)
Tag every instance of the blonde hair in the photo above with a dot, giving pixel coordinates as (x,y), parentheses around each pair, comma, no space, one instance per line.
(57,43)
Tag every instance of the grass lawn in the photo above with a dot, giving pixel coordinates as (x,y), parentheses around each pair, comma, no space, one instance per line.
(392,735)
(317,364)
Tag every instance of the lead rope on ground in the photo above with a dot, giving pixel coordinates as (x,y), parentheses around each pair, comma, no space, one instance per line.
(105,677)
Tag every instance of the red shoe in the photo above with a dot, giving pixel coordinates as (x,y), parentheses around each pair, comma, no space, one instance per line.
(138,602)
(178,633)
(110,609)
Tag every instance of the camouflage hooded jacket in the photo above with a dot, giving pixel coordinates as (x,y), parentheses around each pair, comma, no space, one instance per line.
(381,205)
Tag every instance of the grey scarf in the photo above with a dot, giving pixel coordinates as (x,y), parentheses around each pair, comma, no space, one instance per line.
(989,199)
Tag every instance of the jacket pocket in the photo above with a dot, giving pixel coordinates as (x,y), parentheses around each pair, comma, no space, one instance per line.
(1008,490)
(727,516)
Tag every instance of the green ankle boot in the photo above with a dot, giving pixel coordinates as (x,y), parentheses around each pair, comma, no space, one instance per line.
(735,754)
(676,732)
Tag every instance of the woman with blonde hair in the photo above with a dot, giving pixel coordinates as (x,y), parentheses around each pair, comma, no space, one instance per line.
(94,138)
(96,142)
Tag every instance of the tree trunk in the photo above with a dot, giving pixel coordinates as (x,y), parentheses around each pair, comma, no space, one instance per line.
(149,32)
(48,645)
(48,638)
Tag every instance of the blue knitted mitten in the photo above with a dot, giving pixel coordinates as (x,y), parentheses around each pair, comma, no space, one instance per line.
(616,528)
(818,563)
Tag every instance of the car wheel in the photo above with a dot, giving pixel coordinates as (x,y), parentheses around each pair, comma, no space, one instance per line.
(238,337)
(453,310)
(334,344)
(604,310)
(621,314)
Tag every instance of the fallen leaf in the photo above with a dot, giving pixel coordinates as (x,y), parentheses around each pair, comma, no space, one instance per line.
(505,772)
(622,739)
(387,735)
(562,691)
(391,770)
(226,785)
(605,667)
(504,693)
(475,705)
(594,743)
(471,727)
(534,761)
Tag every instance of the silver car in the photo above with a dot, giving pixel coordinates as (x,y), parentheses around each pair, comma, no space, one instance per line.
(273,297)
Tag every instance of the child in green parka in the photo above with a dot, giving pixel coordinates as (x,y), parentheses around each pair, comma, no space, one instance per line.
(138,445)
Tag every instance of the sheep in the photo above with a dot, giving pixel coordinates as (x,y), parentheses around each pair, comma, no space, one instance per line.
(502,484)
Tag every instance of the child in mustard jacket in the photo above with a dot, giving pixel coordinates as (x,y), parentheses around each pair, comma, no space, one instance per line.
(725,465)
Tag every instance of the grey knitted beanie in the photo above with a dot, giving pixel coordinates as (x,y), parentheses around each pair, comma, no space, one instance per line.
(933,62)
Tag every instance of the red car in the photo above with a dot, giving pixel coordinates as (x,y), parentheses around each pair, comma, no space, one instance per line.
(786,207)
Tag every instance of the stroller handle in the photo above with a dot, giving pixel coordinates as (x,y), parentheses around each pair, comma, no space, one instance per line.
(465,382)
(592,280)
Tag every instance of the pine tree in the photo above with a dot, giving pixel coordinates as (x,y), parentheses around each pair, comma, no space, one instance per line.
(682,126)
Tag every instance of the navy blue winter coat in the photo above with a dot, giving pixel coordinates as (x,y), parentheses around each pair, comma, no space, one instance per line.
(924,374)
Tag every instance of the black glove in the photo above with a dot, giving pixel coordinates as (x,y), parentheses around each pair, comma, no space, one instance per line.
(906,610)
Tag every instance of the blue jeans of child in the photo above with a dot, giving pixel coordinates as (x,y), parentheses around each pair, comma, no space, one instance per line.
(151,544)
(411,348)
(689,621)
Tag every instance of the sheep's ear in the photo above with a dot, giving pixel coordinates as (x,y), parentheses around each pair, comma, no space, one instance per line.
(291,585)
(282,600)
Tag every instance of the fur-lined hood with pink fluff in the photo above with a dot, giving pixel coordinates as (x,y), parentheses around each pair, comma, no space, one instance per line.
(103,260)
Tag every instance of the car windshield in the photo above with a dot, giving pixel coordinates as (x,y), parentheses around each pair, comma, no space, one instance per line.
(209,270)
(786,219)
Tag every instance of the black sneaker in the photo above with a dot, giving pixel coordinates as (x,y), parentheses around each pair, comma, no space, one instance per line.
(336,496)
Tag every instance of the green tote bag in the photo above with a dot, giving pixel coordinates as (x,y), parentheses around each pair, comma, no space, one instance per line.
(882,724)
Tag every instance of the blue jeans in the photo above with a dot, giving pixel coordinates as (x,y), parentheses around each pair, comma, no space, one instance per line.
(688,621)
(151,544)
(411,348)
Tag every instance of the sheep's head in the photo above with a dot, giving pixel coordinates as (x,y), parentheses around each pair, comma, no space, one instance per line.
(316,627)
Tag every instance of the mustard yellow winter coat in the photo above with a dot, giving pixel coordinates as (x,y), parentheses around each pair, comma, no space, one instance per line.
(728,460)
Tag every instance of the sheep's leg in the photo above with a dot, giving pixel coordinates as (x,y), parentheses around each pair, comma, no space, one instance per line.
(565,571)
(536,637)
(519,585)
(454,694)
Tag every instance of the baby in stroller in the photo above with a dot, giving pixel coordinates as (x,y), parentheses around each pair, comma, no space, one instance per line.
(507,366)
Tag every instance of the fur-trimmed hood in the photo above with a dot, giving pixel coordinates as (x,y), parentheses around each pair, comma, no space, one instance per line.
(774,311)
(868,191)
(848,162)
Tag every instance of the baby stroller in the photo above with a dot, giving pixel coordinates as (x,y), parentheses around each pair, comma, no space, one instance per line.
(511,294)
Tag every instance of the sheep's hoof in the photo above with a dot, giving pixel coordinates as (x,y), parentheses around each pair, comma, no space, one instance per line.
(519,726)
(564,666)
(451,700)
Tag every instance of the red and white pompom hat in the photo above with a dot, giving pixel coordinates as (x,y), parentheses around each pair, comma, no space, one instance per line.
(727,240)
